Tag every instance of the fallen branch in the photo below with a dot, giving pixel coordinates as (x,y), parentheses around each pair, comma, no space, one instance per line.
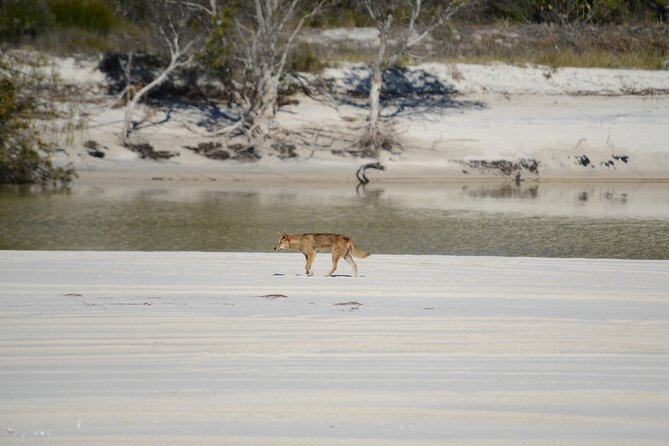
(360,174)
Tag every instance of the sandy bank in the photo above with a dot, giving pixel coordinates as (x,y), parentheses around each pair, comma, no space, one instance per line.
(225,348)
(571,124)
(571,138)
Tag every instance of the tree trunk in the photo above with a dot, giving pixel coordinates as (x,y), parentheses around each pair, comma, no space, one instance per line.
(375,96)
(376,85)
(129,109)
(377,73)
(264,108)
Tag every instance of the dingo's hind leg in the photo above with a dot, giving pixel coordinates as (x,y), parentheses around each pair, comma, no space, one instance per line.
(349,259)
(336,255)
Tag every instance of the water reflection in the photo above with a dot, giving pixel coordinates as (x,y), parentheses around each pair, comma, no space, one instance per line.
(622,220)
(506,190)
(613,197)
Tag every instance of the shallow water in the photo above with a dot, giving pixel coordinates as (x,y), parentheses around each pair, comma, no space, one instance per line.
(621,220)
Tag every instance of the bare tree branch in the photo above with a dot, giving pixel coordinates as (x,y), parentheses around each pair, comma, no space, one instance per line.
(212,11)
(284,56)
(381,12)
(179,56)
(261,55)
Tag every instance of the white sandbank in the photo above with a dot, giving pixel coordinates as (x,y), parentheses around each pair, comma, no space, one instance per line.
(111,348)
(577,123)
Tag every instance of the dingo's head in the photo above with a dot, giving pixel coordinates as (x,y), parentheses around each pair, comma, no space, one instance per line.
(283,243)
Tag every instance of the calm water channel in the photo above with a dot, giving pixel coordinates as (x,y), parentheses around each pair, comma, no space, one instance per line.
(622,220)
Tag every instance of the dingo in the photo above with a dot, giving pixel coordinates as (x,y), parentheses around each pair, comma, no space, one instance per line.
(309,244)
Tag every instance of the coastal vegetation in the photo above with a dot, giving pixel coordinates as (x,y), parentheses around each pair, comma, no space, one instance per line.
(25,154)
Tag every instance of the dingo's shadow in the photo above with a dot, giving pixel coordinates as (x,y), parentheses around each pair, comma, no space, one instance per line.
(315,275)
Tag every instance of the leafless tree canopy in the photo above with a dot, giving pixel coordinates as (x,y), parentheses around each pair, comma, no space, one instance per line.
(173,23)
(263,38)
(402,24)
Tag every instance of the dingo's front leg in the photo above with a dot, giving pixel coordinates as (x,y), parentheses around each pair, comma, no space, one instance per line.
(310,260)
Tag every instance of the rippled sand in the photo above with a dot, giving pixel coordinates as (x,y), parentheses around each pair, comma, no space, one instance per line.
(226,348)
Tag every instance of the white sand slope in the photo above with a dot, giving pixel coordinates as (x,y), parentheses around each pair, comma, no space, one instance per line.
(111,348)
(576,123)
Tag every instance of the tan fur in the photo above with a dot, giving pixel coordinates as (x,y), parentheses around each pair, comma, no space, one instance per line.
(310,244)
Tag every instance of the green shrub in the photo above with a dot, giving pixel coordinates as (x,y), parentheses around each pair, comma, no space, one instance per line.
(32,18)
(568,11)
(23,154)
(511,10)
(89,15)
(20,18)
(349,17)
(610,11)
(304,59)
(218,49)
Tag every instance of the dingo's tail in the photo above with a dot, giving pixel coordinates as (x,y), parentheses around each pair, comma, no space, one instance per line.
(358,252)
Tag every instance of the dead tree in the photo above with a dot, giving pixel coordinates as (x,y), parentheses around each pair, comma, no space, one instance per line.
(173,30)
(261,47)
(398,33)
(257,46)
